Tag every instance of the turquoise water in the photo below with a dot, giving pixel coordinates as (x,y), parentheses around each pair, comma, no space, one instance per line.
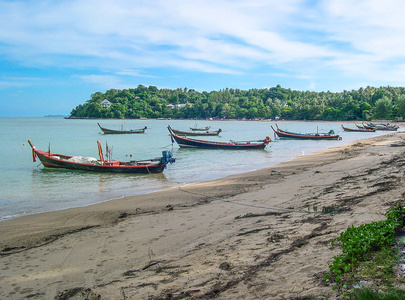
(27,188)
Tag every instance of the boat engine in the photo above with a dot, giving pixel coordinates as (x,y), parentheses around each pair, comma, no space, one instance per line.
(167,157)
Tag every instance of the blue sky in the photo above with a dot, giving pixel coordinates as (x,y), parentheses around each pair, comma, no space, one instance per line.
(54,54)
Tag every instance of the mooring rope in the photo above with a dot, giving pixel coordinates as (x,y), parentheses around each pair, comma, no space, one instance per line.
(148,169)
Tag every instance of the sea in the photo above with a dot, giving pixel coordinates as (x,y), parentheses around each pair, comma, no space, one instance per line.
(26,187)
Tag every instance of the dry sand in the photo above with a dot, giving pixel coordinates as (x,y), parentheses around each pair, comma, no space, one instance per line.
(260,235)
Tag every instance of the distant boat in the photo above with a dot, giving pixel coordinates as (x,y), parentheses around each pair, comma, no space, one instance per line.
(55,160)
(200,129)
(195,133)
(185,142)
(306,136)
(112,131)
(357,129)
(387,126)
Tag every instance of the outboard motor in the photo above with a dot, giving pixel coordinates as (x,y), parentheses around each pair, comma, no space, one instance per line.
(167,157)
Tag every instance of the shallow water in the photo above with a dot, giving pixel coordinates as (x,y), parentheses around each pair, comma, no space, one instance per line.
(27,188)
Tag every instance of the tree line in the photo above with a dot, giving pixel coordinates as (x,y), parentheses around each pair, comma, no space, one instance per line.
(268,103)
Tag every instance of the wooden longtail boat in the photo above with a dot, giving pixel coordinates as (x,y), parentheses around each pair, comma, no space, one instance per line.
(112,131)
(201,129)
(306,136)
(195,133)
(185,142)
(387,127)
(55,160)
(357,129)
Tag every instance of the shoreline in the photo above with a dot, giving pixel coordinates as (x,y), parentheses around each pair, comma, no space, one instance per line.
(22,212)
(112,194)
(114,219)
(209,237)
(45,195)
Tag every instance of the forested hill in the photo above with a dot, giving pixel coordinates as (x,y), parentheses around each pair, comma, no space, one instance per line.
(151,102)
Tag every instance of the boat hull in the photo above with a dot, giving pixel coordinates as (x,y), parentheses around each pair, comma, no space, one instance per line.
(196,133)
(302,136)
(384,127)
(297,136)
(200,129)
(49,161)
(55,160)
(185,142)
(357,130)
(111,131)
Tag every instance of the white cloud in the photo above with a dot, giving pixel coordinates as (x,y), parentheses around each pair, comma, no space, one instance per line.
(218,32)
(105,81)
(359,39)
(134,73)
(370,32)
(20,81)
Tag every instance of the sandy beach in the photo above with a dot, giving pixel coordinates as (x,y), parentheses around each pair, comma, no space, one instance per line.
(259,235)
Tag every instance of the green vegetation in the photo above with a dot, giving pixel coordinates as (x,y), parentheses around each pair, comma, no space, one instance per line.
(369,254)
(269,103)
(369,294)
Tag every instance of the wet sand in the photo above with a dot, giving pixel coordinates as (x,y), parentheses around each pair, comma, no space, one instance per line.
(260,235)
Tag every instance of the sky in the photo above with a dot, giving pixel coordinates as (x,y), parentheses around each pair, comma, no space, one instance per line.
(55,53)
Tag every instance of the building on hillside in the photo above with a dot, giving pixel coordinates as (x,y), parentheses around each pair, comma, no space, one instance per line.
(172,106)
(105,103)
